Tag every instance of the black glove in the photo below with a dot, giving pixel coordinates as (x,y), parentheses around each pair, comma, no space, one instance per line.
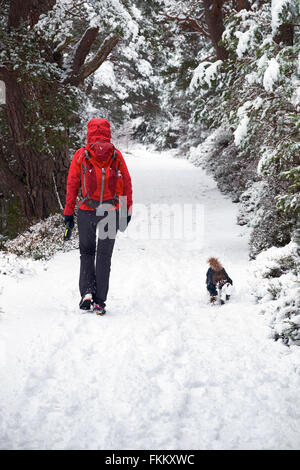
(69,220)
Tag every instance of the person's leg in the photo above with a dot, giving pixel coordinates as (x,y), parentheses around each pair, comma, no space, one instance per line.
(86,221)
(103,264)
(213,293)
(103,259)
(212,290)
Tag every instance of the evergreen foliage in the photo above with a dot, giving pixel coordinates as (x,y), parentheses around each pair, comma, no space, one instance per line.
(165,78)
(255,93)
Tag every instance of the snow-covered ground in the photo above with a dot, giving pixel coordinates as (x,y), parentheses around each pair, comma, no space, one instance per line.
(163,369)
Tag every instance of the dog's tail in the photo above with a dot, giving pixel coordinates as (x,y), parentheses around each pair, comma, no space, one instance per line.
(215,264)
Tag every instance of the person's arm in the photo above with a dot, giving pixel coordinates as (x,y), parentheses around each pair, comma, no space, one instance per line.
(227,277)
(127,189)
(73,184)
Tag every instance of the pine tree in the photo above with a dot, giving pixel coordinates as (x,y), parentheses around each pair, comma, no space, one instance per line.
(254,93)
(48,51)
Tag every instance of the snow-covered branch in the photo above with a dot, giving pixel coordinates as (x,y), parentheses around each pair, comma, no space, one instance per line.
(186,23)
(77,69)
(101,55)
(79,54)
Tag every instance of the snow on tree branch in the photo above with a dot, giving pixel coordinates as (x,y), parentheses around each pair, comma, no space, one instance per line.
(186,23)
(81,50)
(101,55)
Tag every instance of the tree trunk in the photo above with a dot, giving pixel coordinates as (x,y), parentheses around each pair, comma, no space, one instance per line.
(35,186)
(285,35)
(27,9)
(36,176)
(243,5)
(214,21)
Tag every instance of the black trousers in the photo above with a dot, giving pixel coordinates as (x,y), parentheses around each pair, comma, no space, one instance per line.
(95,258)
(212,289)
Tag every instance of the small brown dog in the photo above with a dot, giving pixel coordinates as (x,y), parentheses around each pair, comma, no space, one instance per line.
(217,277)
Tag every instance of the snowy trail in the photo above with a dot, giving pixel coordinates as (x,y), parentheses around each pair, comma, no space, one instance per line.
(162,370)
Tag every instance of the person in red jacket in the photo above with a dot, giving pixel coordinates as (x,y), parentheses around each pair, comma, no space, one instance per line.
(99,169)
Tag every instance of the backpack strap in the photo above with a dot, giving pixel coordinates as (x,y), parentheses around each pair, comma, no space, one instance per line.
(112,159)
(86,156)
(116,199)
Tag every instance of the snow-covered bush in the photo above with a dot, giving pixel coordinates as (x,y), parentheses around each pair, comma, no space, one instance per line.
(42,240)
(250,203)
(206,150)
(218,154)
(276,287)
(255,93)
(266,221)
(17,266)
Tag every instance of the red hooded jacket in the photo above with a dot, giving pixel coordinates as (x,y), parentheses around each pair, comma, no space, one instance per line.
(98,130)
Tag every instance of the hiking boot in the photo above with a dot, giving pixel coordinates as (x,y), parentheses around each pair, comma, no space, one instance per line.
(86,302)
(227,297)
(212,300)
(99,309)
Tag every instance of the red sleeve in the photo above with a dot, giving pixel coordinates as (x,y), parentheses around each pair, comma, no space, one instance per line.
(73,184)
(127,182)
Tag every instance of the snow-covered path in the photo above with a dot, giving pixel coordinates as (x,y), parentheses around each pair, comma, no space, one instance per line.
(162,370)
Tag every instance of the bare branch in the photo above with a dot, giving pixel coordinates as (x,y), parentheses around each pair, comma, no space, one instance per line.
(206,58)
(186,23)
(100,56)
(75,10)
(63,45)
(82,49)
(78,70)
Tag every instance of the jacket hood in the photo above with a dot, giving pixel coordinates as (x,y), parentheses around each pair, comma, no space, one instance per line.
(98,130)
(215,264)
